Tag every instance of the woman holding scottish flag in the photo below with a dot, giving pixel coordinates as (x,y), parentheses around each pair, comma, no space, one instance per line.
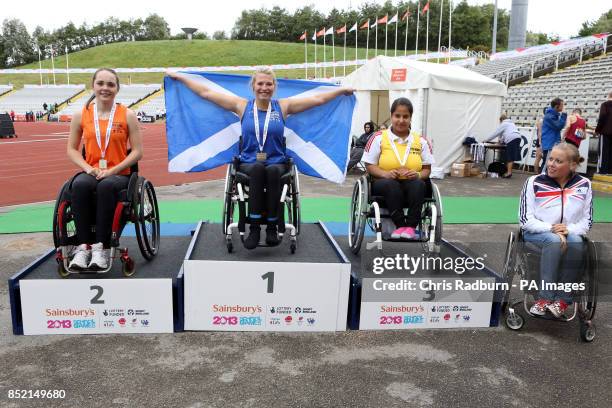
(263,151)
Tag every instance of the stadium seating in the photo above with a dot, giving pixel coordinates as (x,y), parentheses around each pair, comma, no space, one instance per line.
(5,88)
(153,106)
(32,97)
(128,95)
(584,85)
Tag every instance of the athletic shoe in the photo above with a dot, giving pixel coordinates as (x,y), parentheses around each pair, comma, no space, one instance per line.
(540,307)
(99,257)
(272,235)
(80,259)
(409,233)
(252,240)
(397,234)
(557,308)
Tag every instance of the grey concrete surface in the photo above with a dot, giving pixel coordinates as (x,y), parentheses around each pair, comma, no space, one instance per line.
(545,364)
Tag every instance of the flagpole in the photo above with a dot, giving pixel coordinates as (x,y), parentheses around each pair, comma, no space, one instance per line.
(39,66)
(406,35)
(396,24)
(53,65)
(386,29)
(324,56)
(315,61)
(427,37)
(67,70)
(344,67)
(376,37)
(356,41)
(440,30)
(416,47)
(333,52)
(450,22)
(305,54)
(368,41)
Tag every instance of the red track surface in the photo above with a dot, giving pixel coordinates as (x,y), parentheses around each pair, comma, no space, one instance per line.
(34,165)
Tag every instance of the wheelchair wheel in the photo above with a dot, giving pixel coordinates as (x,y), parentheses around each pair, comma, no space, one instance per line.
(588,301)
(587,332)
(438,203)
(359,202)
(228,204)
(514,321)
(56,226)
(296,211)
(147,219)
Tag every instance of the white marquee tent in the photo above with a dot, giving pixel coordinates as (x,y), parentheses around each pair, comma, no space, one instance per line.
(450,102)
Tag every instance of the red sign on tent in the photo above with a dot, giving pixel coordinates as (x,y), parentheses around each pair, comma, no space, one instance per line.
(398,75)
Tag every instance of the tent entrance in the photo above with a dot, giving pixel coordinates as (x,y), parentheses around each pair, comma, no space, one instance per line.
(379,108)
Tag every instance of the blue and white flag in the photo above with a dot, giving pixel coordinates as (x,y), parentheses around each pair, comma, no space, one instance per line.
(202,135)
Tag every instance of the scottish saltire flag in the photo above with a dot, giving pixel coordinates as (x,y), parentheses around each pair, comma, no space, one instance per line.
(202,136)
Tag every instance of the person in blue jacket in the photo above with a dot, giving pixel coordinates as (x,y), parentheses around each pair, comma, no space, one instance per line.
(554,120)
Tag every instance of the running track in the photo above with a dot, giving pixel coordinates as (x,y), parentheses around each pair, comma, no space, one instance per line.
(34,165)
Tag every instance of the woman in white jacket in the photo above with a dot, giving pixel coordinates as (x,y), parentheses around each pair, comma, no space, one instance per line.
(555,211)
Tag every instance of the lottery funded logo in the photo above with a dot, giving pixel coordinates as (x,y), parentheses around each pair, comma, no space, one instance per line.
(113,312)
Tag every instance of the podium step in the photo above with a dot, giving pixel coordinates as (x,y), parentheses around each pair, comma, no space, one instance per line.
(602,186)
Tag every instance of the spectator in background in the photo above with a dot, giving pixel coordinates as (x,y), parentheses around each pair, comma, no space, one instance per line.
(604,129)
(554,120)
(360,144)
(509,135)
(45,106)
(575,128)
(12,115)
(538,146)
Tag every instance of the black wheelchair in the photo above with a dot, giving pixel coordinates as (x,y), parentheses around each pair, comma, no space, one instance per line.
(522,259)
(137,204)
(237,192)
(371,210)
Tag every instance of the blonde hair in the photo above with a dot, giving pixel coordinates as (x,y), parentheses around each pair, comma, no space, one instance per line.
(265,71)
(572,152)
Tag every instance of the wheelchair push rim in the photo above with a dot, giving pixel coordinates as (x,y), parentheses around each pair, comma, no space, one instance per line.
(147,220)
(358,217)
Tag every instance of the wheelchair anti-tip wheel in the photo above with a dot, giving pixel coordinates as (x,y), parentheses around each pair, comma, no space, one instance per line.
(587,331)
(514,321)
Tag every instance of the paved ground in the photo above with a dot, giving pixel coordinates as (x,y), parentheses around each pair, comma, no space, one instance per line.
(545,364)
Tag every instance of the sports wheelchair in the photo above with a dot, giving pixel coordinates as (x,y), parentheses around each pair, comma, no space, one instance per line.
(137,204)
(237,192)
(523,259)
(369,209)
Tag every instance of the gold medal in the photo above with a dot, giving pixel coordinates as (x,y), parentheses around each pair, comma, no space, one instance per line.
(102,164)
(261,156)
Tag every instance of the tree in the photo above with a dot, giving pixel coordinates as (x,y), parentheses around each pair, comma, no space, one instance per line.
(602,25)
(219,35)
(156,28)
(17,44)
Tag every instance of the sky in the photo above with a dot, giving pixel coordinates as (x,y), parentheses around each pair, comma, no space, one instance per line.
(562,17)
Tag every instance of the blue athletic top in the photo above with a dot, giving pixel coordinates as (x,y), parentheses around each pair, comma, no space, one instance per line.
(275,142)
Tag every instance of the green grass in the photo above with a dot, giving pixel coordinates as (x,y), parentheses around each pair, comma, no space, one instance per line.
(183,53)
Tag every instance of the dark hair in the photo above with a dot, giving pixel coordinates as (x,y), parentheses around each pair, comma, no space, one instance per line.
(556,102)
(403,102)
(93,79)
(578,111)
(370,124)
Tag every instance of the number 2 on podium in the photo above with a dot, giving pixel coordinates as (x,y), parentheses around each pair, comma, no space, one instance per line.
(270,277)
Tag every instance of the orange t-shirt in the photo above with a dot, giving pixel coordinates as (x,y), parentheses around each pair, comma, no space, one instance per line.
(116,151)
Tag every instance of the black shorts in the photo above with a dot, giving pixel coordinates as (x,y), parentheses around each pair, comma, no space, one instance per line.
(513,151)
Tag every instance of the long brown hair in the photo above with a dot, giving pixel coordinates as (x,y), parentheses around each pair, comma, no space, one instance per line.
(93,79)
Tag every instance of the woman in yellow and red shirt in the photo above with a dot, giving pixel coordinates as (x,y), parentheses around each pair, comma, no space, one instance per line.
(105,128)
(400,160)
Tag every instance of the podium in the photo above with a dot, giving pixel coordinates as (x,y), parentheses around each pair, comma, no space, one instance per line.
(148,302)
(266,289)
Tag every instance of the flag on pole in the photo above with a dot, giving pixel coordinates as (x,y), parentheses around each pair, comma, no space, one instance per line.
(375,35)
(393,19)
(67,68)
(425,9)
(203,136)
(314,38)
(440,30)
(303,36)
(340,31)
(40,64)
(321,32)
(330,31)
(416,47)
(383,20)
(353,28)
(365,25)
(406,16)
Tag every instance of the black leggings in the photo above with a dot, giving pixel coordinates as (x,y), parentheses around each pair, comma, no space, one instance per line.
(401,193)
(86,214)
(268,178)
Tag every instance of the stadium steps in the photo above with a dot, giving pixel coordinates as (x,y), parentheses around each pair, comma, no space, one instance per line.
(602,183)
(145,100)
(72,99)
(7,93)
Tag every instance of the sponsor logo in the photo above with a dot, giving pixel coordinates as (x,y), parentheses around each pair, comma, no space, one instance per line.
(108,323)
(225,320)
(121,322)
(441,309)
(70,312)
(288,319)
(134,322)
(434,319)
(414,319)
(466,318)
(59,324)
(237,309)
(310,321)
(144,322)
(280,310)
(114,312)
(298,310)
(462,308)
(250,321)
(447,317)
(84,323)
(402,309)
(274,321)
(457,317)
